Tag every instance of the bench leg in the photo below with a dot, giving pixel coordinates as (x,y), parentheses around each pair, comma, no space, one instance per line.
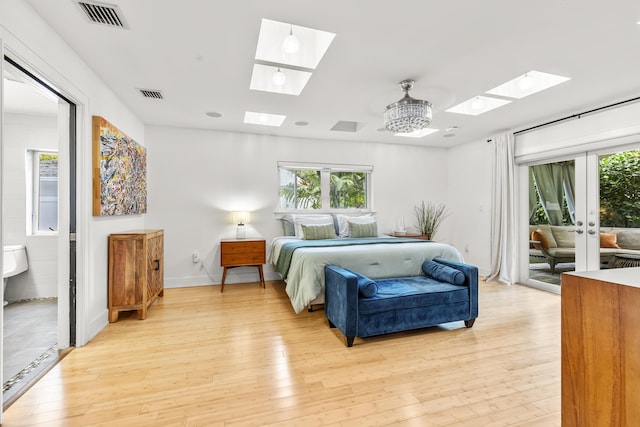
(469,323)
(350,341)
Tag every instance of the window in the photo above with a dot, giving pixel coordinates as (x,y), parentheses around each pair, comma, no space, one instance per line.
(44,191)
(324,186)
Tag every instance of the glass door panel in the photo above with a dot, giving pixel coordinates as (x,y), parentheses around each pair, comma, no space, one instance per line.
(584,215)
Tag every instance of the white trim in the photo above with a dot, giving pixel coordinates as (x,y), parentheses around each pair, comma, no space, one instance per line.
(334,167)
(1,210)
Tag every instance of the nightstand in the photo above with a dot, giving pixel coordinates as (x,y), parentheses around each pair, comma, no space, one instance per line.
(242,253)
(409,235)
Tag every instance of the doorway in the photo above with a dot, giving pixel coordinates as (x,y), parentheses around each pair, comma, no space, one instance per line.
(584,214)
(38,198)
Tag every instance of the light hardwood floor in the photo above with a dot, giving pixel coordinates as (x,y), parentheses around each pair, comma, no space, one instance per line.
(244,358)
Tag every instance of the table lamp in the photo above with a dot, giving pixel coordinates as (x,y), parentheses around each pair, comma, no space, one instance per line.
(241,218)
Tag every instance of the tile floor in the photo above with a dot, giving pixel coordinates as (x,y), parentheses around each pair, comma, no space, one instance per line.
(30,338)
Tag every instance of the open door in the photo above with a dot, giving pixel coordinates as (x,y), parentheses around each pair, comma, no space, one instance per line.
(38,152)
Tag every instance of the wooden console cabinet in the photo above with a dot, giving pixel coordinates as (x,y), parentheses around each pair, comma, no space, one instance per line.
(600,348)
(136,271)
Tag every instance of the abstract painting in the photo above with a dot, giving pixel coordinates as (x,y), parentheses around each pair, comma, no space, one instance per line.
(119,172)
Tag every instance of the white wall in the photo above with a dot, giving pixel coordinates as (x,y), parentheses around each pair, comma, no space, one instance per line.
(196,177)
(29,40)
(469,171)
(22,132)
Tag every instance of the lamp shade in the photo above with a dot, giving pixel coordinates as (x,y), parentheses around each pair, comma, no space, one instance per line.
(241,217)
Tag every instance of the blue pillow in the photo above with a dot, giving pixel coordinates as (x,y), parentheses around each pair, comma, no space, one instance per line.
(443,273)
(366,286)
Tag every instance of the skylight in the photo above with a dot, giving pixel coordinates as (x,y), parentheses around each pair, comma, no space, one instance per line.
(262,78)
(264,119)
(478,105)
(418,133)
(527,84)
(313,44)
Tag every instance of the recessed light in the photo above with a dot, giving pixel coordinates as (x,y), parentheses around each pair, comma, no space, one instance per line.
(301,123)
(213,114)
(264,119)
(478,105)
(527,84)
(418,133)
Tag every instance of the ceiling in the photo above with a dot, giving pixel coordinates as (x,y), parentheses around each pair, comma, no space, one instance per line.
(200,55)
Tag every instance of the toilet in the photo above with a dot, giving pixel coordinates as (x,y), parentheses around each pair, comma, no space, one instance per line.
(14,262)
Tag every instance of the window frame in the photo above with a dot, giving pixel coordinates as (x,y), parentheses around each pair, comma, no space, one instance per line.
(33,191)
(325,185)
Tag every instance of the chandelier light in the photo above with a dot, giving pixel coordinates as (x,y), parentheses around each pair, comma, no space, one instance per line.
(408,114)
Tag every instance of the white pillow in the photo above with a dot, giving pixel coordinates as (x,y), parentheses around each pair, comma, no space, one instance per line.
(316,219)
(343,222)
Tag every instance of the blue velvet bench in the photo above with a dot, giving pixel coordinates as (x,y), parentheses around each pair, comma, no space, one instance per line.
(361,307)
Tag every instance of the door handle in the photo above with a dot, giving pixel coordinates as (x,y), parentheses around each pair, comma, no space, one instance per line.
(591,232)
(579,223)
(157,264)
(579,230)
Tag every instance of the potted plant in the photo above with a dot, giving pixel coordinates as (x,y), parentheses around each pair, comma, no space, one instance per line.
(429,216)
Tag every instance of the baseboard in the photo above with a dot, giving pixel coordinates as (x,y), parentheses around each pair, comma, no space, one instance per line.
(233,276)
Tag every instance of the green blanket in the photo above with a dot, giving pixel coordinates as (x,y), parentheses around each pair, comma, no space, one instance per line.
(287,249)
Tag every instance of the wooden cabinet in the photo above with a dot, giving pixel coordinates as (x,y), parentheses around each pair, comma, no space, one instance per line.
(242,253)
(600,342)
(136,271)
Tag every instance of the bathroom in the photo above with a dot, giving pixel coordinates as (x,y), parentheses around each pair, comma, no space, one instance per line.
(29,231)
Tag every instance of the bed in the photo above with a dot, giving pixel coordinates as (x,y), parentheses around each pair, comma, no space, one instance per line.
(302,262)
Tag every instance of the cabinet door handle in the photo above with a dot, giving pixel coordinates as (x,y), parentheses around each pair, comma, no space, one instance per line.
(157,265)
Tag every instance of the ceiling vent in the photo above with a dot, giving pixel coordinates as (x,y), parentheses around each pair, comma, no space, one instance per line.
(103,13)
(151,93)
(345,126)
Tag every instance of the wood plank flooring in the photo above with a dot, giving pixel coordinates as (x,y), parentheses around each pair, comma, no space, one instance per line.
(244,358)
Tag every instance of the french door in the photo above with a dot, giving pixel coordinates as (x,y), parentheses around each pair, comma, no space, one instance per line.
(567,192)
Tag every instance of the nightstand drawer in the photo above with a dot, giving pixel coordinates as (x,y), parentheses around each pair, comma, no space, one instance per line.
(242,259)
(243,247)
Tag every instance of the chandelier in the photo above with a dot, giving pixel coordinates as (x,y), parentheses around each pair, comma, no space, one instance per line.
(408,114)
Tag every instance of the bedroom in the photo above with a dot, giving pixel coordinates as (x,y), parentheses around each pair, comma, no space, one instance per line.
(196,175)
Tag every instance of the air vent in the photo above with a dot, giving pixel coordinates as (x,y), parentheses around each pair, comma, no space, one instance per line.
(151,93)
(344,126)
(103,13)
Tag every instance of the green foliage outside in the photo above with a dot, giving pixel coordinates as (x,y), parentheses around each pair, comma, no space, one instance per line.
(348,190)
(48,156)
(620,190)
(305,192)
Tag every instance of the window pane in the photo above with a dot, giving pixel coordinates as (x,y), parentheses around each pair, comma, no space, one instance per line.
(348,190)
(300,189)
(48,192)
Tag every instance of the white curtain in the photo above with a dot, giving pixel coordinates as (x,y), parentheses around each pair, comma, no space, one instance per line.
(503,222)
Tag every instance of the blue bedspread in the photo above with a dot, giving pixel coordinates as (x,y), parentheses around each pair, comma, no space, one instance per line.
(287,250)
